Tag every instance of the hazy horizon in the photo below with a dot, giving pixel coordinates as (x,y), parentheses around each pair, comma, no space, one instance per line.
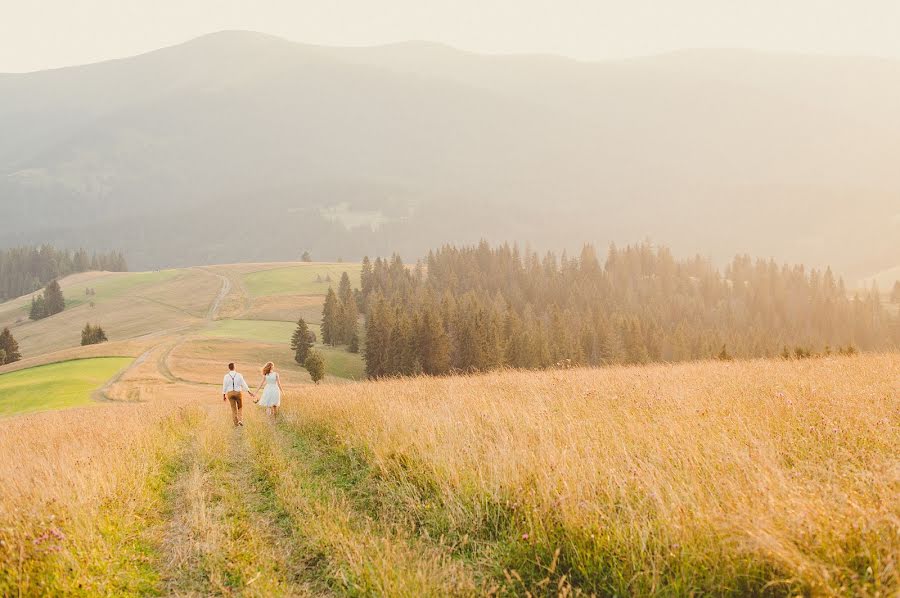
(40,37)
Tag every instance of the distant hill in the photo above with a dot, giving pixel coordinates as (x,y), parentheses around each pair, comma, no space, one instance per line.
(243,146)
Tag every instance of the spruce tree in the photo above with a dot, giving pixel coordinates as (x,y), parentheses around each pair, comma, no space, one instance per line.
(330,313)
(9,345)
(53,298)
(301,341)
(433,343)
(92,335)
(348,311)
(366,278)
(38,308)
(379,327)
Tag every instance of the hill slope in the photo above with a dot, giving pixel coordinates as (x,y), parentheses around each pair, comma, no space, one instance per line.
(715,478)
(723,151)
(182,325)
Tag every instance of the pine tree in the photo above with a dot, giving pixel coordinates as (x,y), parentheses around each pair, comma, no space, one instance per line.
(434,345)
(10,347)
(38,308)
(92,335)
(366,278)
(353,347)
(306,257)
(53,298)
(379,326)
(2,356)
(315,365)
(348,312)
(330,315)
(301,341)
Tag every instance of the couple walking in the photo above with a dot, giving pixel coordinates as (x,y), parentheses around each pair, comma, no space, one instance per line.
(234,384)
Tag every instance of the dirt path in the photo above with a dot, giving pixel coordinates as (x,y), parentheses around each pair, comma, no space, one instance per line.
(102,393)
(225,532)
(217,302)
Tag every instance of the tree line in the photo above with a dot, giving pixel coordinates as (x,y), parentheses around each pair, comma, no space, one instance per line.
(24,270)
(477,308)
(340,316)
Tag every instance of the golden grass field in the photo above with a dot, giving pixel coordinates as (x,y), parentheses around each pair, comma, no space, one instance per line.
(723,478)
(710,478)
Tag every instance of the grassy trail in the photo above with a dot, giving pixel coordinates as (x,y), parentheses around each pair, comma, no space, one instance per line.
(331,504)
(279,510)
(225,533)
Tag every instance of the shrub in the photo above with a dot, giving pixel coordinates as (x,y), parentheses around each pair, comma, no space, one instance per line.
(315,365)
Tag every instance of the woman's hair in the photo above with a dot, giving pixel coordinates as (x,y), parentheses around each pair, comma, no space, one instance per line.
(268,368)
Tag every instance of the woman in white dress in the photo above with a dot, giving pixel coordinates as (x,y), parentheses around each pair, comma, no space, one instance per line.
(271,396)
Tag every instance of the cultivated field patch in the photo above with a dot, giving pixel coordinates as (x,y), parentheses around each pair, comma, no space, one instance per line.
(57,385)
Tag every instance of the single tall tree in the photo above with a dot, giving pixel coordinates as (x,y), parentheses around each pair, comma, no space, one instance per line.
(301,341)
(349,315)
(366,278)
(10,346)
(330,312)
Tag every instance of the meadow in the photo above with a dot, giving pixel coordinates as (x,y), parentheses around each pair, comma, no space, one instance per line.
(763,477)
(299,279)
(57,385)
(711,478)
(723,478)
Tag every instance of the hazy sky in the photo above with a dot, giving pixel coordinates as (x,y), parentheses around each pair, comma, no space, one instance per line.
(39,34)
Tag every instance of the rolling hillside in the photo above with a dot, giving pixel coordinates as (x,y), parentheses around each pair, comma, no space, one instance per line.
(415,144)
(125,476)
(177,326)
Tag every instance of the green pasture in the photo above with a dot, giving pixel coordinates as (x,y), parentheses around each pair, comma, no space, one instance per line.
(57,385)
(106,287)
(299,280)
(110,287)
(341,363)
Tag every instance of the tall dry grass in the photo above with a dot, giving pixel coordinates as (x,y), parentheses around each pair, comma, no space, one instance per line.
(80,490)
(713,477)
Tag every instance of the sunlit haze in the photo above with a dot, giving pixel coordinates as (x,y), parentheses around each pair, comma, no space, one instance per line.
(44,34)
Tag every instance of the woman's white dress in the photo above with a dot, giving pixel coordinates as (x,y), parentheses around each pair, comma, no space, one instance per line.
(271,396)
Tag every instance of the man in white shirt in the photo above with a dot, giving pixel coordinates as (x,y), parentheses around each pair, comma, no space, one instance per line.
(232,386)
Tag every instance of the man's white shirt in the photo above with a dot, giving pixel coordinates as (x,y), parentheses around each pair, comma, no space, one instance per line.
(234,381)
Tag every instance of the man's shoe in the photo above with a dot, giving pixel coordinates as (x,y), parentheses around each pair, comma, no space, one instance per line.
(240,423)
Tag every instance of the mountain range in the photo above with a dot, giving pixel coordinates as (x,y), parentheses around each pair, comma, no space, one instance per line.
(239,146)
